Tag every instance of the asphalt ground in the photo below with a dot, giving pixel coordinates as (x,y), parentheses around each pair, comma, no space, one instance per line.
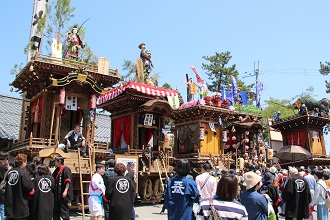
(145,212)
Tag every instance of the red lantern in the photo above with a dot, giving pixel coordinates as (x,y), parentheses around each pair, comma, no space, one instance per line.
(247,133)
(234,138)
(61,98)
(93,101)
(247,140)
(246,147)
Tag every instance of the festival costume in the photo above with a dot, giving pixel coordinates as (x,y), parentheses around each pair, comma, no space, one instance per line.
(62,175)
(43,198)
(18,189)
(297,197)
(3,170)
(73,49)
(96,190)
(121,192)
(180,194)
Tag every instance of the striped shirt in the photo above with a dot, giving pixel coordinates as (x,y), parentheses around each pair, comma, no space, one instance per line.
(228,210)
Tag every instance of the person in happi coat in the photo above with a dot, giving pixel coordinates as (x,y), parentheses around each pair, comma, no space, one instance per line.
(120,192)
(43,186)
(63,193)
(180,194)
(96,193)
(297,196)
(3,170)
(19,188)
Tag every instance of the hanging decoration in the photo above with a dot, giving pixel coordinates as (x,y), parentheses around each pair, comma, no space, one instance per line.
(61,98)
(92,107)
(234,88)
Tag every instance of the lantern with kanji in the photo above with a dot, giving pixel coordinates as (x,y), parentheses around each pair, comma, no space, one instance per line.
(61,97)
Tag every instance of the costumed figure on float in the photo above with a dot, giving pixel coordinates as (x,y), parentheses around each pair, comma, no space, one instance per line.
(145,56)
(75,41)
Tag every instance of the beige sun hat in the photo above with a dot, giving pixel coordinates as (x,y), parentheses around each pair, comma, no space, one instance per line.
(251,179)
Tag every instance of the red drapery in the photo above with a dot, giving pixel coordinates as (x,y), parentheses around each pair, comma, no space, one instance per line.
(148,136)
(296,138)
(36,106)
(122,126)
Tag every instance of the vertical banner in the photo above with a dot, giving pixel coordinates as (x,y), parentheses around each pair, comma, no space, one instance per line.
(199,79)
(36,32)
(234,88)
(92,106)
(258,88)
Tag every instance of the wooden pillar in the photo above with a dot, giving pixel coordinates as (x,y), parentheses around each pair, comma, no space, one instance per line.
(51,124)
(132,131)
(57,123)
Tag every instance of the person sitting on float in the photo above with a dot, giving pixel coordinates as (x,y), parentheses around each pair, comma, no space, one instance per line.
(277,117)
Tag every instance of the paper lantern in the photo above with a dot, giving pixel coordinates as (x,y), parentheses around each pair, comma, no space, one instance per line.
(234,138)
(247,140)
(93,101)
(61,97)
(247,133)
(246,147)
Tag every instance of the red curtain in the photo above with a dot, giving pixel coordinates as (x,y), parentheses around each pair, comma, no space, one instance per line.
(148,136)
(297,138)
(37,102)
(122,126)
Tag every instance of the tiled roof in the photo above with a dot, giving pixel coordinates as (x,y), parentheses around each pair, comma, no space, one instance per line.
(10,115)
(103,128)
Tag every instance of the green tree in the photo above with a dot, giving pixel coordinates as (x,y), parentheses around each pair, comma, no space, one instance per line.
(325,70)
(218,70)
(59,15)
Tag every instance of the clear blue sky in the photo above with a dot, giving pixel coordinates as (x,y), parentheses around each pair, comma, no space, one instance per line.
(289,38)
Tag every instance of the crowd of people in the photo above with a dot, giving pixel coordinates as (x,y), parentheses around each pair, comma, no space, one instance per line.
(31,191)
(247,194)
(25,188)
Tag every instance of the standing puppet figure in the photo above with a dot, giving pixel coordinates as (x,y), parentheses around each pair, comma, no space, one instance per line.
(75,41)
(145,55)
(202,89)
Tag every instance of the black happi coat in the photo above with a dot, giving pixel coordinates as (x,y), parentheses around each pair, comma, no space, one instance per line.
(121,192)
(3,170)
(43,199)
(18,189)
(297,197)
(62,175)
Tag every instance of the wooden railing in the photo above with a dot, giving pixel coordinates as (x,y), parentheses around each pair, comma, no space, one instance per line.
(34,142)
(74,64)
(101,146)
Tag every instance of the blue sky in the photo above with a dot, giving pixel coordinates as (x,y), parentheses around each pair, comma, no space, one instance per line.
(289,38)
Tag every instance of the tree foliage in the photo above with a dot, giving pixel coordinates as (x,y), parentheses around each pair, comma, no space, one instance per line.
(325,70)
(218,70)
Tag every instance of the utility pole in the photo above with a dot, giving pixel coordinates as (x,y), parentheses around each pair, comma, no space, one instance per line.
(256,73)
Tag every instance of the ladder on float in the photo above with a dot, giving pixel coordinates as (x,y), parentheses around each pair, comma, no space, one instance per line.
(84,184)
(163,165)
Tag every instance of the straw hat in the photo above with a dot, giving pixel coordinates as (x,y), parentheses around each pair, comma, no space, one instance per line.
(251,179)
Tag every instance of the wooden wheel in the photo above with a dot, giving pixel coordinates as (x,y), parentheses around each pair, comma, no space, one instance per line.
(147,190)
(158,189)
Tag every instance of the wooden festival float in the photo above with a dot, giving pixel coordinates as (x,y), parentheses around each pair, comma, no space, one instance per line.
(57,94)
(307,132)
(209,131)
(139,113)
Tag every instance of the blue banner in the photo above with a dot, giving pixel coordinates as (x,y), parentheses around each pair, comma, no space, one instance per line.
(234,88)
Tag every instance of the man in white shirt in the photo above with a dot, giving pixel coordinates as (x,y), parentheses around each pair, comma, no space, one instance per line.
(206,183)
